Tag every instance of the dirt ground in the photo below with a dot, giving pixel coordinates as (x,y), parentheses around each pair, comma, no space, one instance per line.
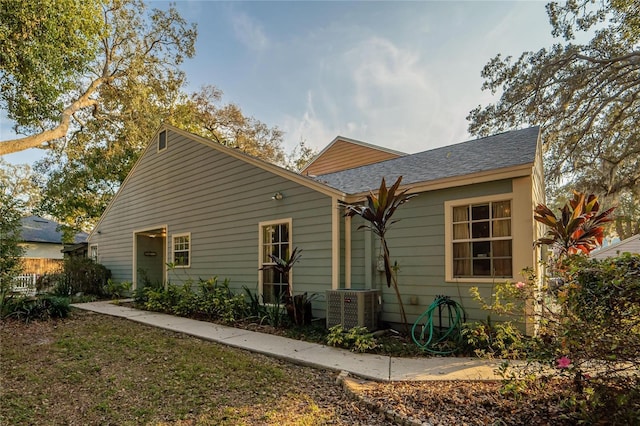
(93,369)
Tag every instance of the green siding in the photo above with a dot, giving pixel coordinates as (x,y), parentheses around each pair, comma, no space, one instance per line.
(416,242)
(220,200)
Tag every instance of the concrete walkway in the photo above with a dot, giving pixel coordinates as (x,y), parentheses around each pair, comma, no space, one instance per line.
(368,366)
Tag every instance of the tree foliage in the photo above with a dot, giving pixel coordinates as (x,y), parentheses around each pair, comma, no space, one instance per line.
(10,251)
(586,97)
(16,181)
(94,90)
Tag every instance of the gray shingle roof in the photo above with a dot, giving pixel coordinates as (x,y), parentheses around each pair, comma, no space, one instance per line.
(499,151)
(39,230)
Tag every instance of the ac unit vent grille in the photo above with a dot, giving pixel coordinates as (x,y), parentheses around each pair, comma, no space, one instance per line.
(352,308)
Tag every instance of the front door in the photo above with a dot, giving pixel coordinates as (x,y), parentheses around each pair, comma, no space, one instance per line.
(150,251)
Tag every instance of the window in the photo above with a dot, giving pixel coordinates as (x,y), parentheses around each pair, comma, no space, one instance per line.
(275,239)
(481,240)
(93,252)
(162,140)
(182,250)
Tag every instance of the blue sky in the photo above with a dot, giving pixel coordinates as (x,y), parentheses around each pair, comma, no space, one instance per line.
(398,74)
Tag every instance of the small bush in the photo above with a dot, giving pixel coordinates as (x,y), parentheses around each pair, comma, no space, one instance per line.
(36,308)
(117,290)
(357,339)
(213,300)
(494,340)
(80,275)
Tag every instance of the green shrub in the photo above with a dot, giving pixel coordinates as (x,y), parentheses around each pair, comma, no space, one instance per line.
(213,300)
(591,338)
(81,275)
(117,290)
(494,340)
(36,308)
(357,339)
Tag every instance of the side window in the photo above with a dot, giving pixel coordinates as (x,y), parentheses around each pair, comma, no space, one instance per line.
(181,244)
(275,239)
(481,240)
(93,252)
(162,140)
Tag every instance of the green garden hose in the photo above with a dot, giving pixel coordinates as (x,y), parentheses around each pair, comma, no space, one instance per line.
(430,338)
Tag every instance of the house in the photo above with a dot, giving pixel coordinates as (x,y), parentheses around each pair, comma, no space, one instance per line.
(213,211)
(41,240)
(629,245)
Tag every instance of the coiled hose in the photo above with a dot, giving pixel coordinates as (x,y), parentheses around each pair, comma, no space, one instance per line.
(430,338)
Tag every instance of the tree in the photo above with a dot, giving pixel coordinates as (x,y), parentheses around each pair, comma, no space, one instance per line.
(61,62)
(91,81)
(10,251)
(585,97)
(378,212)
(17,183)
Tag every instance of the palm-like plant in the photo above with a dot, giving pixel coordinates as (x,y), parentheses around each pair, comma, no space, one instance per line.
(284,266)
(579,227)
(378,212)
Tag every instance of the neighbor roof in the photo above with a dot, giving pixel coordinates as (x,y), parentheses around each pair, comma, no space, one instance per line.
(36,229)
(499,151)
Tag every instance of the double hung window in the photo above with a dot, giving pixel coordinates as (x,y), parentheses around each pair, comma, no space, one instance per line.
(181,244)
(482,240)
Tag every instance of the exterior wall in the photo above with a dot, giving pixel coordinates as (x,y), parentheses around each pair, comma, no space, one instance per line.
(344,155)
(220,200)
(630,245)
(42,250)
(417,242)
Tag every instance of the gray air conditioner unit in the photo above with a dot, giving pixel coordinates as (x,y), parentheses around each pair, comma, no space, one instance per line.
(353,308)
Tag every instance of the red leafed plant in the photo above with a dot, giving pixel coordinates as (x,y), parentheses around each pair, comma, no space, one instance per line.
(579,227)
(378,211)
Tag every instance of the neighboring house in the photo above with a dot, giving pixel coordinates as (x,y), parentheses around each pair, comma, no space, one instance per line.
(629,245)
(214,211)
(42,242)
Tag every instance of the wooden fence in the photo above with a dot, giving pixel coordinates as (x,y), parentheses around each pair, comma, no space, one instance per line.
(41,266)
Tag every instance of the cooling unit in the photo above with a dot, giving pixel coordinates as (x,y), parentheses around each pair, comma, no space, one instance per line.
(352,308)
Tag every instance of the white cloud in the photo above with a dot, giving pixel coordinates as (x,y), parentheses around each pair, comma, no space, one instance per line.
(249,32)
(378,92)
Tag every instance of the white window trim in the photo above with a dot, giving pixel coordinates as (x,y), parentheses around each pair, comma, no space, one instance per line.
(289,222)
(166,141)
(448,237)
(173,249)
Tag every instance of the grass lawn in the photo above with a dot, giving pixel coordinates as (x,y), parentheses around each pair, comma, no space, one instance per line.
(94,369)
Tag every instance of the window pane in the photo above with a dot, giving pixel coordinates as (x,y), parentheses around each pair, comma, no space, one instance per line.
(481,249)
(181,258)
(480,229)
(501,209)
(502,267)
(480,212)
(502,228)
(482,267)
(284,233)
(461,231)
(461,250)
(461,214)
(502,248)
(462,267)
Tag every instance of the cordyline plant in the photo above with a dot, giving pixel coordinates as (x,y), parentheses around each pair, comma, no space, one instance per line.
(284,266)
(579,227)
(378,211)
